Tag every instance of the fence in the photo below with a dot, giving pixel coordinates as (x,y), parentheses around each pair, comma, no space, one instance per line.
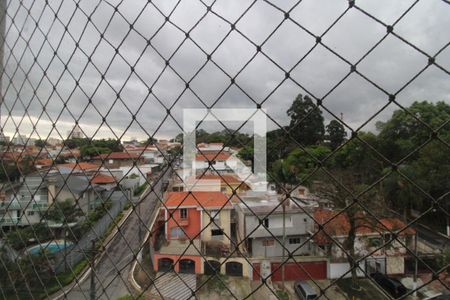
(83,248)
(83,81)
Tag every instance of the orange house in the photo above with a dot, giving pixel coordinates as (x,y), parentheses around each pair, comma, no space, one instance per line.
(187,216)
(185,210)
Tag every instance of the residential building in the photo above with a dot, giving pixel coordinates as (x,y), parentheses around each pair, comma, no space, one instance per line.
(25,202)
(75,133)
(82,168)
(262,226)
(196,235)
(151,154)
(371,235)
(214,161)
(116,160)
(19,139)
(226,183)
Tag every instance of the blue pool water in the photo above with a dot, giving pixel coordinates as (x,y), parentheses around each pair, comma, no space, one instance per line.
(52,247)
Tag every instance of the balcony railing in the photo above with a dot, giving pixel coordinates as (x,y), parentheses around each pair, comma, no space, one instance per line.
(183,222)
(40,206)
(9,221)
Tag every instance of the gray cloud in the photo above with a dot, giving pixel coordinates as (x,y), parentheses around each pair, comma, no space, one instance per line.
(390,65)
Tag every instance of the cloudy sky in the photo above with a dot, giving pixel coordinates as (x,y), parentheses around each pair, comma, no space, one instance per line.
(94,38)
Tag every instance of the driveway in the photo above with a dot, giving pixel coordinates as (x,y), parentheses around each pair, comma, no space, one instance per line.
(174,286)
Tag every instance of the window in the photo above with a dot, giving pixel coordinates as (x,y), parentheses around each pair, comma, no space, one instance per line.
(266,223)
(30,213)
(111,161)
(295,240)
(268,243)
(216,232)
(176,233)
(214,214)
(183,213)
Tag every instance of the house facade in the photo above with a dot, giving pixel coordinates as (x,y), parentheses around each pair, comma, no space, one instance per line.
(117,160)
(196,235)
(263,227)
(374,239)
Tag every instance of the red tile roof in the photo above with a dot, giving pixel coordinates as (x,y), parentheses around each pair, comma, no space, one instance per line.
(103,179)
(44,162)
(198,199)
(340,226)
(140,149)
(79,166)
(117,155)
(225,178)
(208,156)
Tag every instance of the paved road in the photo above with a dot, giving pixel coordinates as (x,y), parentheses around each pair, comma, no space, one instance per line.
(113,269)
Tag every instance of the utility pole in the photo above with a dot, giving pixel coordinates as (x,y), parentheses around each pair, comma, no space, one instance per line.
(416,267)
(92,288)
(65,249)
(2,52)
(139,217)
(284,242)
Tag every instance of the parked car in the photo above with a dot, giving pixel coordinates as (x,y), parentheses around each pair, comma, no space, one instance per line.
(304,290)
(389,284)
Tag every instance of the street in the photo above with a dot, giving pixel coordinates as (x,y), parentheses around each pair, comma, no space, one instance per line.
(112,270)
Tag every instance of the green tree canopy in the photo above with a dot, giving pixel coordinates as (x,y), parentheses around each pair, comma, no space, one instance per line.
(40,143)
(403,133)
(64,211)
(335,134)
(306,123)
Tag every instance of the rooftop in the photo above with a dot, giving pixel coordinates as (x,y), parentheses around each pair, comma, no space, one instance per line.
(117,155)
(103,179)
(79,166)
(340,226)
(212,156)
(198,199)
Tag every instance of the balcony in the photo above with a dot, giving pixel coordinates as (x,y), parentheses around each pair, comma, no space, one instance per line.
(7,221)
(217,248)
(183,222)
(40,206)
(182,246)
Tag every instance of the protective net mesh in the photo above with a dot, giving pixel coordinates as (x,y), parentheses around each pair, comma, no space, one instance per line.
(357,208)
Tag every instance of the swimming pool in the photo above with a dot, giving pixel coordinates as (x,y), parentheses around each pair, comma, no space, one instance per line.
(52,247)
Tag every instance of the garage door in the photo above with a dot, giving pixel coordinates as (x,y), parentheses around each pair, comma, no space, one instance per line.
(233,268)
(187,266)
(165,265)
(317,270)
(300,271)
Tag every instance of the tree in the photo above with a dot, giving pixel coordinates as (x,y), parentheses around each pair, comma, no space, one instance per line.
(90,151)
(76,142)
(40,143)
(306,125)
(149,141)
(282,174)
(342,192)
(400,193)
(358,157)
(335,134)
(64,211)
(402,133)
(278,145)
(303,162)
(246,153)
